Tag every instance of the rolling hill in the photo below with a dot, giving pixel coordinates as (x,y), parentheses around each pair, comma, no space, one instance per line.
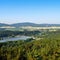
(29,24)
(2,24)
(34,25)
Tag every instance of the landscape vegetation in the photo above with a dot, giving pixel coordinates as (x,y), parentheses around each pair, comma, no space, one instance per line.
(29,29)
(44,44)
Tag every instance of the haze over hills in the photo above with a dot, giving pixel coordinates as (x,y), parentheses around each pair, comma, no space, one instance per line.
(25,24)
(29,24)
(2,24)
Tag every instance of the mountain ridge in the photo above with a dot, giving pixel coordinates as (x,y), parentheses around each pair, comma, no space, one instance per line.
(3,24)
(29,24)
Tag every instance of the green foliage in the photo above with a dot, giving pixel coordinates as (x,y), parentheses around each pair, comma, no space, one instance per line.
(47,48)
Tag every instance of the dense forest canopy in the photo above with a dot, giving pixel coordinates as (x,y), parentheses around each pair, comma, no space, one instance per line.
(47,48)
(14,33)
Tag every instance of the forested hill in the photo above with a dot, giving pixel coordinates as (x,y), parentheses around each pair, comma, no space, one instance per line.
(25,24)
(29,24)
(34,24)
(2,24)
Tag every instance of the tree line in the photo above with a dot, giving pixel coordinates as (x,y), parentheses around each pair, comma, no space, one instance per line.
(47,48)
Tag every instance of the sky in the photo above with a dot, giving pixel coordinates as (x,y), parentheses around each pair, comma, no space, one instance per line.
(35,11)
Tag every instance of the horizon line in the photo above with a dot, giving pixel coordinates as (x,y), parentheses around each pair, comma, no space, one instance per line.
(27,22)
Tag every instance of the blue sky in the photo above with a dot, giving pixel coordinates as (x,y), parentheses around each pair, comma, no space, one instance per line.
(36,11)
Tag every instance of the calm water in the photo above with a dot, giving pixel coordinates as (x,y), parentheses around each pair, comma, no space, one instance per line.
(14,39)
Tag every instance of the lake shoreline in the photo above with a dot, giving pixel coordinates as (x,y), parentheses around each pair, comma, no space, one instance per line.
(16,38)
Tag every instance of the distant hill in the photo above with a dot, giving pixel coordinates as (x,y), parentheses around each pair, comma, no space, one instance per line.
(29,24)
(2,24)
(25,24)
(33,25)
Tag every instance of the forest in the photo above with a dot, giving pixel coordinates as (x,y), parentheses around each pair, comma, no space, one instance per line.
(47,48)
(14,33)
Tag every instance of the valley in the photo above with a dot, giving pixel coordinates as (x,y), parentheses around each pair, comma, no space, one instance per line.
(30,43)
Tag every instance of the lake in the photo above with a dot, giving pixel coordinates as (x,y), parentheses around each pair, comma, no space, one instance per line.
(14,38)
